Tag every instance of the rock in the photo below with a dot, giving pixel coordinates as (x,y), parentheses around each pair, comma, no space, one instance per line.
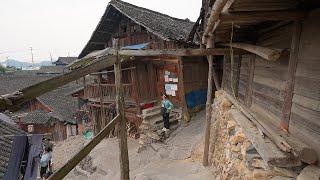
(285,172)
(258,163)
(154,135)
(236,148)
(231,126)
(281,178)
(239,137)
(141,148)
(225,104)
(259,174)
(310,172)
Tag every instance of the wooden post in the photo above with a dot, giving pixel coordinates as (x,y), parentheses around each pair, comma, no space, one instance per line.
(182,92)
(293,61)
(208,105)
(76,159)
(134,82)
(122,135)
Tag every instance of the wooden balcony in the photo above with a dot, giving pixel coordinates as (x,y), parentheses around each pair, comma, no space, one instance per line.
(107,93)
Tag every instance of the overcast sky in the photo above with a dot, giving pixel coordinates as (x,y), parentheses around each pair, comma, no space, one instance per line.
(62,27)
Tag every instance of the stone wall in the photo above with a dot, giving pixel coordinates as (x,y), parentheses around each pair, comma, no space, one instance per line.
(231,153)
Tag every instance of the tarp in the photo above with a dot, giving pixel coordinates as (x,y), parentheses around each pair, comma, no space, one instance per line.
(17,151)
(196,98)
(135,47)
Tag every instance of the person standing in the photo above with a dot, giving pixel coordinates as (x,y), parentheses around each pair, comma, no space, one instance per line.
(45,162)
(166,107)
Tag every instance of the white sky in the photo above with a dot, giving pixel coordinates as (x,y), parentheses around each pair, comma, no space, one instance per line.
(63,27)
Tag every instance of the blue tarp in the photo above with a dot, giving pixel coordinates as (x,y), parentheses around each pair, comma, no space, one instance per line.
(135,47)
(195,98)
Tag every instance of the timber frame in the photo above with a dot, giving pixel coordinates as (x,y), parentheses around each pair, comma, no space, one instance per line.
(273,35)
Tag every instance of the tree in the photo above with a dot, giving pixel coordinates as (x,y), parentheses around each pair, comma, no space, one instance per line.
(2,69)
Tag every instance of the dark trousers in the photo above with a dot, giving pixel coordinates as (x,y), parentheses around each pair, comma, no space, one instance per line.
(165,120)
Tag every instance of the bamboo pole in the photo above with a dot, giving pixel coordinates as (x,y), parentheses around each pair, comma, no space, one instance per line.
(68,166)
(123,146)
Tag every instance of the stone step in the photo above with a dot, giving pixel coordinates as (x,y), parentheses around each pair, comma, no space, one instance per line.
(150,110)
(160,118)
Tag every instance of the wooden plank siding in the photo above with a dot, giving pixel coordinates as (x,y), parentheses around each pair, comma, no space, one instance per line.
(195,73)
(269,79)
(305,110)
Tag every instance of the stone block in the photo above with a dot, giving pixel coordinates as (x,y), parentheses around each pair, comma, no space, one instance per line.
(239,137)
(310,172)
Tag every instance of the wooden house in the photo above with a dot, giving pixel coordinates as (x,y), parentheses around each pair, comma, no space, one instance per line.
(276,80)
(183,79)
(64,61)
(52,113)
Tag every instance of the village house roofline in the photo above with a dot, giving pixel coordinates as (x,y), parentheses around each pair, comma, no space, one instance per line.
(65,60)
(7,132)
(59,101)
(161,25)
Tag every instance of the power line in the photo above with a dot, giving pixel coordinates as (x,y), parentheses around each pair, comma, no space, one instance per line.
(32,57)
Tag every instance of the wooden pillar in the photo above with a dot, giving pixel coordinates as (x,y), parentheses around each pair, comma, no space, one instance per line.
(122,135)
(293,61)
(182,93)
(134,82)
(208,105)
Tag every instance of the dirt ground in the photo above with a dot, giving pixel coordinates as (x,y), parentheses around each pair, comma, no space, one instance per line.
(179,157)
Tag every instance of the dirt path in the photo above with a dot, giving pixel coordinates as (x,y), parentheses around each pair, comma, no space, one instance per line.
(174,159)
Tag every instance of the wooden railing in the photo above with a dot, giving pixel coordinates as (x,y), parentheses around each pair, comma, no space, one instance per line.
(106,91)
(76,159)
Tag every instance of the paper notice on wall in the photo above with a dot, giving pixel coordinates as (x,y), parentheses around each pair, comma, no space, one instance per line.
(170,79)
(174,87)
(175,79)
(173,93)
(166,78)
(168,92)
(167,72)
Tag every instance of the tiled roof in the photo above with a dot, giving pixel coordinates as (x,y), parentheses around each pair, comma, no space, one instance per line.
(37,117)
(59,100)
(51,70)
(65,60)
(6,132)
(161,25)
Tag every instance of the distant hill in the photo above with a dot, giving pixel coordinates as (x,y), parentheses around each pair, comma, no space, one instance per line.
(23,65)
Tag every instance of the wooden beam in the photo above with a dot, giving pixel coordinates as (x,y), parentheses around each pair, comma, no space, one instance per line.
(261,16)
(292,67)
(270,153)
(175,52)
(185,112)
(205,160)
(12,101)
(214,16)
(275,137)
(77,158)
(122,135)
(270,54)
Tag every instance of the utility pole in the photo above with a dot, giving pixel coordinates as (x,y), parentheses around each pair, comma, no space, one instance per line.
(51,57)
(32,57)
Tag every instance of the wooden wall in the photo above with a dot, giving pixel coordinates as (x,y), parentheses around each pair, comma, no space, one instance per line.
(262,84)
(130,33)
(305,111)
(195,73)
